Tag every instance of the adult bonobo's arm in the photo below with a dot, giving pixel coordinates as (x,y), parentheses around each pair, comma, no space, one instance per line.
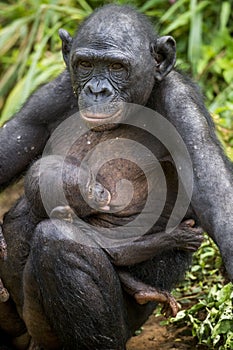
(212,197)
(24,136)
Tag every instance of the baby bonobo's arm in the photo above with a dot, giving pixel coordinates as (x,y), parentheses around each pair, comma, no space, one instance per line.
(184,237)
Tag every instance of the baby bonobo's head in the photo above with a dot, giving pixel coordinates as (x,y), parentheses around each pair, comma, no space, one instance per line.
(92,191)
(97,196)
(84,194)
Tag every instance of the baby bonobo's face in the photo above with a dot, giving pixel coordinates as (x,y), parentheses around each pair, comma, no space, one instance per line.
(97,196)
(92,191)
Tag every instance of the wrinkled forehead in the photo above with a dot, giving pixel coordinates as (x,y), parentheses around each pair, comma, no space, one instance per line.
(113,32)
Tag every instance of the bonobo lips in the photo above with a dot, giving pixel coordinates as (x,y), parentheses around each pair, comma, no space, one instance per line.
(102,114)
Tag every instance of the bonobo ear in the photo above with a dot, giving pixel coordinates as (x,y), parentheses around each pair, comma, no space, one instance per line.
(164,53)
(66,44)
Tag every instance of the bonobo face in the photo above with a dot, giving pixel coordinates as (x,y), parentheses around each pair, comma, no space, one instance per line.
(98,197)
(101,79)
(93,192)
(115,58)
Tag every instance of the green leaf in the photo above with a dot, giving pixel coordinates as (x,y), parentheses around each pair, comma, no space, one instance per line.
(225,14)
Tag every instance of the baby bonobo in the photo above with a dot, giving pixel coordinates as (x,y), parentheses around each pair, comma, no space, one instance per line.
(86,196)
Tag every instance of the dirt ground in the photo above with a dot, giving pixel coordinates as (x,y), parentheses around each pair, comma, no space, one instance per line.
(154,336)
(159,337)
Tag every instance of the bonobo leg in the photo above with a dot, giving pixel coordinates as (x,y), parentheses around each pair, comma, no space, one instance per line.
(72,294)
(143,293)
(185,237)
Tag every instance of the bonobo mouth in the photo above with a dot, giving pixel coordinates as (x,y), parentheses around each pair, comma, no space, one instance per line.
(103,115)
(104,203)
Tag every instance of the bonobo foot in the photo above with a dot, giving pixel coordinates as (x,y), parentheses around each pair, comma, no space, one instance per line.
(143,293)
(170,307)
(4,295)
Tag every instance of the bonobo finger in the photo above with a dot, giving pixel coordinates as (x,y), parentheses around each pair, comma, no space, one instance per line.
(171,308)
(198,230)
(193,246)
(188,237)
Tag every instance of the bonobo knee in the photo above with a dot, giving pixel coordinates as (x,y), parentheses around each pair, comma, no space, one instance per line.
(79,289)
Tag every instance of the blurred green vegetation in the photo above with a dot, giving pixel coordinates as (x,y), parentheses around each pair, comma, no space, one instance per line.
(31,55)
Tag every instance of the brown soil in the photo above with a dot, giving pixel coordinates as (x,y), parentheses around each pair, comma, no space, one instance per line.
(154,336)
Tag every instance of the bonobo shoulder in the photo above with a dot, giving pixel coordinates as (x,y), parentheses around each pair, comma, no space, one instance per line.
(52,102)
(179,92)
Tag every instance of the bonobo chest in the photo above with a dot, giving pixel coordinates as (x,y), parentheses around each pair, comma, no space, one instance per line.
(126,162)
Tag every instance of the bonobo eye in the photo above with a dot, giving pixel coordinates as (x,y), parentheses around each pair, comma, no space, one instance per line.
(118,71)
(85,64)
(116,66)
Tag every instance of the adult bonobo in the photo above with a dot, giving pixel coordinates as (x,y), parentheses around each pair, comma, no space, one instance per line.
(114,58)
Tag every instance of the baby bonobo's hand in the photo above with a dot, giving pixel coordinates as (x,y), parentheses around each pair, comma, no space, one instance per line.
(63,212)
(188,237)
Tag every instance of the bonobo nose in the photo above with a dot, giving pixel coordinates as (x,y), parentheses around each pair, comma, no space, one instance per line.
(98,89)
